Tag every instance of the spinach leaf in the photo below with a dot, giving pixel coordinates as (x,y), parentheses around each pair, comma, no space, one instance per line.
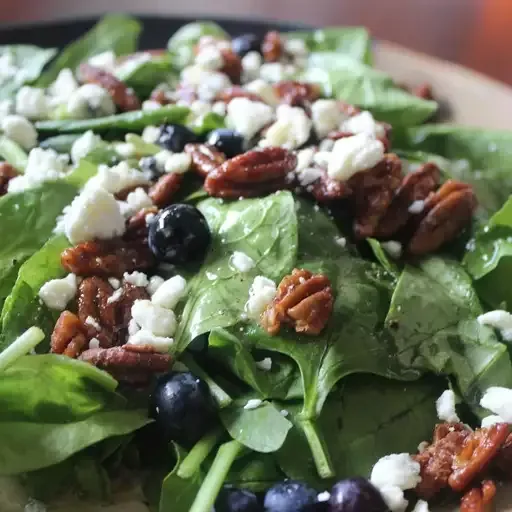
(134,121)
(23,64)
(266,230)
(367,88)
(255,471)
(13,154)
(115,32)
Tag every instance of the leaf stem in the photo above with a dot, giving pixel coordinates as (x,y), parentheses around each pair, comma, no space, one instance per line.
(220,396)
(216,476)
(192,462)
(318,448)
(21,346)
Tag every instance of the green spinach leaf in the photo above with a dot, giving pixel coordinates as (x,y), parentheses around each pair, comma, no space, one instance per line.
(13,154)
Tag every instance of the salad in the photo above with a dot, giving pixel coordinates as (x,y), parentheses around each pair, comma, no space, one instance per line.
(247,274)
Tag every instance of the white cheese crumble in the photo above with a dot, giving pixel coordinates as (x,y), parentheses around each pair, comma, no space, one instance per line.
(296,47)
(210,57)
(253,403)
(8,68)
(155,319)
(416,206)
(115,296)
(170,292)
(154,283)
(135,201)
(150,105)
(261,294)
(309,175)
(275,71)
(396,469)
(323,496)
(291,130)
(105,60)
(133,327)
(499,401)
(58,292)
(117,178)
(264,90)
(490,420)
(363,123)
(125,149)
(445,406)
(94,343)
(423,446)
(178,163)
(31,103)
(241,261)
(392,248)
(6,107)
(20,130)
(90,99)
(304,158)
(326,116)
(219,108)
(499,319)
(248,117)
(150,134)
(114,282)
(63,87)
(92,214)
(354,154)
(341,241)
(136,278)
(421,506)
(264,364)
(251,64)
(144,337)
(394,498)
(93,323)
(84,145)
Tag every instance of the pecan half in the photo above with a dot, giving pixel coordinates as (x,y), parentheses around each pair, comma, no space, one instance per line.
(479,499)
(137,226)
(164,190)
(304,301)
(205,158)
(446,213)
(107,257)
(251,174)
(297,94)
(69,335)
(232,66)
(272,47)
(236,92)
(326,190)
(7,173)
(124,97)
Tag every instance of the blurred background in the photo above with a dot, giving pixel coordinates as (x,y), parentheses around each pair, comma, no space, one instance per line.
(474,33)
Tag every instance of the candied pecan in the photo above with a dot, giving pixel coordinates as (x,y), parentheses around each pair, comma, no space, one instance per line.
(416,186)
(107,257)
(446,213)
(205,158)
(373,191)
(163,191)
(137,225)
(297,94)
(272,47)
(503,460)
(251,174)
(479,499)
(123,96)
(232,65)
(124,305)
(325,189)
(123,194)
(7,173)
(69,335)
(236,92)
(304,301)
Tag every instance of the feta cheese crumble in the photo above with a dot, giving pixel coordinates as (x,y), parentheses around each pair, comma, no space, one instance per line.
(104,60)
(144,337)
(115,283)
(241,262)
(90,99)
(491,420)
(116,178)
(210,57)
(253,403)
(20,130)
(93,323)
(178,163)
(136,278)
(56,293)
(264,364)
(31,103)
(499,319)
(291,130)
(416,207)
(261,294)
(445,406)
(154,283)
(84,145)
(394,498)
(155,319)
(392,248)
(499,401)
(326,116)
(248,117)
(150,134)
(170,292)
(137,200)
(94,343)
(64,86)
(251,64)
(396,469)
(421,506)
(264,90)
(363,123)
(115,296)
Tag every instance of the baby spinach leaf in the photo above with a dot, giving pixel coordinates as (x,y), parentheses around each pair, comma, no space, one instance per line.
(24,63)
(255,471)
(13,153)
(134,121)
(115,32)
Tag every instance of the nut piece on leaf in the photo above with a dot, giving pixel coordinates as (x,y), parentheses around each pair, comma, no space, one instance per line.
(7,173)
(205,158)
(163,191)
(69,335)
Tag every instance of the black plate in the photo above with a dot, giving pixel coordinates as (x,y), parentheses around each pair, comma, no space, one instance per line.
(156,33)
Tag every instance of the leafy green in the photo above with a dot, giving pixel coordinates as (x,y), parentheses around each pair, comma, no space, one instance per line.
(59,143)
(115,32)
(142,147)
(27,62)
(125,122)
(13,153)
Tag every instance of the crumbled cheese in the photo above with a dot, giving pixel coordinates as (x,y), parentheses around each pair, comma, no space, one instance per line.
(326,145)
(210,57)
(499,401)
(20,130)
(423,446)
(84,145)
(115,296)
(93,323)
(309,175)
(421,506)
(155,319)
(416,207)
(219,108)
(248,117)
(323,496)
(397,469)
(251,64)
(264,364)
(136,278)
(326,116)
(125,149)
(445,406)
(253,403)
(58,292)
(150,105)
(6,107)
(363,123)
(208,83)
(178,163)
(491,420)
(154,283)
(133,327)
(161,157)
(392,248)
(105,60)
(117,178)
(93,214)
(150,134)
(8,68)
(261,294)
(144,337)
(321,158)
(31,103)
(273,72)
(170,292)
(296,47)
(291,130)
(354,154)
(198,109)
(499,319)
(94,343)
(304,158)
(241,262)
(90,98)
(63,87)
(210,276)
(137,200)
(341,241)
(394,498)
(264,90)
(115,283)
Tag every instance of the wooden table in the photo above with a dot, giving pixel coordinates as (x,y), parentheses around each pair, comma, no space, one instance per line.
(474,33)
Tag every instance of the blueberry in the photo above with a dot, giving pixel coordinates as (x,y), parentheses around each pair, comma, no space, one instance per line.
(179,234)
(246,43)
(175,137)
(182,407)
(149,166)
(231,499)
(227,141)
(356,495)
(289,496)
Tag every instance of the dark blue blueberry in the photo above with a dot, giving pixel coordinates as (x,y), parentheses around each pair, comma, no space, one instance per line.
(182,407)
(227,141)
(356,495)
(289,496)
(231,499)
(179,234)
(246,43)
(149,166)
(175,137)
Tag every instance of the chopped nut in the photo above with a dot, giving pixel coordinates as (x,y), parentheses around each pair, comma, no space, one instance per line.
(7,173)
(137,225)
(69,335)
(236,92)
(163,191)
(205,158)
(232,65)
(297,94)
(272,47)
(479,499)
